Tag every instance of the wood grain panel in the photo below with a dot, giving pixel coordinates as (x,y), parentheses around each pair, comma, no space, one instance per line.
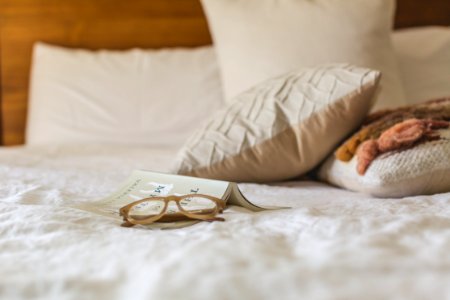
(412,13)
(118,24)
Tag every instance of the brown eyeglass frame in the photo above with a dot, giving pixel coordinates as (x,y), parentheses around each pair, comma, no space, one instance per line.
(163,217)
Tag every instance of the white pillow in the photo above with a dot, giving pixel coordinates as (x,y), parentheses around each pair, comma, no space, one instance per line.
(149,97)
(424,57)
(423,169)
(259,39)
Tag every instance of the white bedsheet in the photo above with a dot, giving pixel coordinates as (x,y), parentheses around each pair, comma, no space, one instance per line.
(333,244)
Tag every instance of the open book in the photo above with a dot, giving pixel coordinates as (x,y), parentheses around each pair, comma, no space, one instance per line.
(143,184)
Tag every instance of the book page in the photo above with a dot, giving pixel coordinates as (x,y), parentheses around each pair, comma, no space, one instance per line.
(236,198)
(143,184)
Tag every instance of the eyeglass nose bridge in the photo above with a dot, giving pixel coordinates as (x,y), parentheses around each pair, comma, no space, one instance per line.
(172,198)
(176,200)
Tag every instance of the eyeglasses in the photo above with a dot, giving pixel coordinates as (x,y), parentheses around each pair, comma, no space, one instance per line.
(161,209)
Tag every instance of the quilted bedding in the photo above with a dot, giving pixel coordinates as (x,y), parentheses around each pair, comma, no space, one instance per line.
(333,244)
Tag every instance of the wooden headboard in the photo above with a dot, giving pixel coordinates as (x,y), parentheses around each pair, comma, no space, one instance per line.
(117,24)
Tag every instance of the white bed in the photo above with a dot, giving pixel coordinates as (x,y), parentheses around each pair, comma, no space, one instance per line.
(333,244)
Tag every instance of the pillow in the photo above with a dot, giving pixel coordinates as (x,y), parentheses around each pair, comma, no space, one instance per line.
(423,169)
(260,39)
(397,153)
(424,58)
(148,97)
(282,127)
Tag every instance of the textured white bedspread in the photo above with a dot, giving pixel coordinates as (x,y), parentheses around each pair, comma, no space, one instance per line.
(333,244)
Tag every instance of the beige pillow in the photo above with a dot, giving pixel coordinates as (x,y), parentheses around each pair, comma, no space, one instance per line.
(281,128)
(423,169)
(259,39)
